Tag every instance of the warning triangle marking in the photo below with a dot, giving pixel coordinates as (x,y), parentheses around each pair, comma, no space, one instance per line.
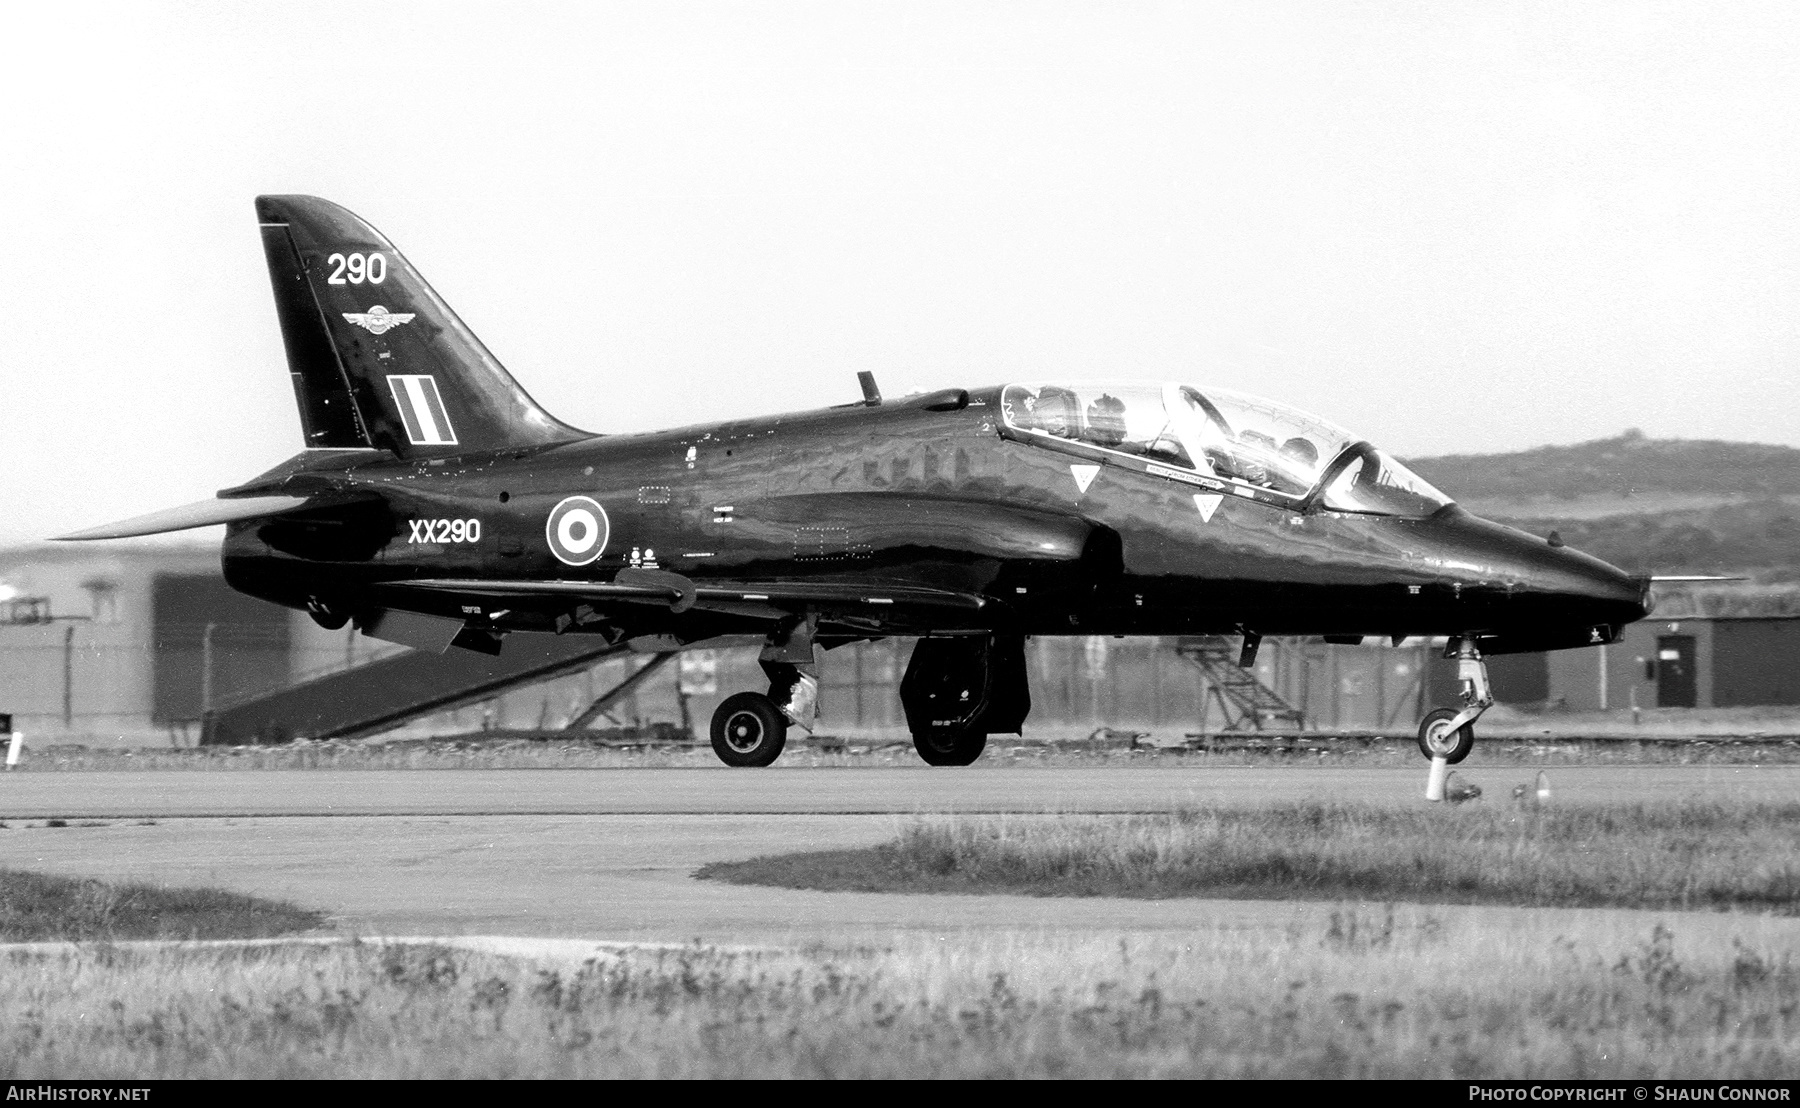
(1084,476)
(1208,503)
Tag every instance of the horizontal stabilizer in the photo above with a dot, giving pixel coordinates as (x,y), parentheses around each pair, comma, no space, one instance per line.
(206,513)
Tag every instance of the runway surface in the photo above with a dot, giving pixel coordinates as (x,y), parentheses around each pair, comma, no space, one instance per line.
(608,854)
(169,794)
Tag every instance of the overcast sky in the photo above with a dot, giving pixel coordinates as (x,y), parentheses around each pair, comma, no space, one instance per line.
(1450,227)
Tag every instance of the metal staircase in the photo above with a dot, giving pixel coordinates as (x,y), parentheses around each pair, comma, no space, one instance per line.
(1244,703)
(391,690)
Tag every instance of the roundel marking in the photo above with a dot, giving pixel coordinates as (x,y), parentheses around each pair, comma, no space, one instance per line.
(577,530)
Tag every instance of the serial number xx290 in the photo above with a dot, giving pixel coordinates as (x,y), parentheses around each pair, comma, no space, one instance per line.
(444,530)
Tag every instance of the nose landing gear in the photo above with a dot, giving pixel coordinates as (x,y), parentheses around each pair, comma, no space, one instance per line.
(1449,733)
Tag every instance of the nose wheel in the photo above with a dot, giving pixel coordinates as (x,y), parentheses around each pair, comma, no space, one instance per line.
(1449,733)
(1439,737)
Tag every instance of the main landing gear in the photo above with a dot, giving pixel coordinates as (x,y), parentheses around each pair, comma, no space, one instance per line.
(1449,733)
(750,728)
(958,691)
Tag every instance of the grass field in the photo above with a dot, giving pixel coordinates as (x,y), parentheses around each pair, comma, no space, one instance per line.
(1358,992)
(37,906)
(1693,855)
(1335,988)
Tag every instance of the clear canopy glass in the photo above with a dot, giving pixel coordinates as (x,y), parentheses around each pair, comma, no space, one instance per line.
(1224,435)
(1376,483)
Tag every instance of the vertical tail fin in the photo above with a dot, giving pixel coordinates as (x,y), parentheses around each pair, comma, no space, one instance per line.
(378,359)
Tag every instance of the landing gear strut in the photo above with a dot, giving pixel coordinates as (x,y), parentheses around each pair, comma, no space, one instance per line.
(1449,733)
(750,729)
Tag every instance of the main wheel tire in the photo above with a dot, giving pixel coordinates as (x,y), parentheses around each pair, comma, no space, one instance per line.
(1436,738)
(949,748)
(748,730)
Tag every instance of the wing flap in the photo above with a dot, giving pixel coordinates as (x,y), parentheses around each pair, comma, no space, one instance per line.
(205,513)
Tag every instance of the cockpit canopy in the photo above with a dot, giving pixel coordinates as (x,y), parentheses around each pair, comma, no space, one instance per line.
(1220,439)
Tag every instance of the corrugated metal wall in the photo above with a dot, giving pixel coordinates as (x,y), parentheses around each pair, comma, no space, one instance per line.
(246,649)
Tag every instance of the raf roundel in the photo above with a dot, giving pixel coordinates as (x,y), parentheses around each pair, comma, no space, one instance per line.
(577,530)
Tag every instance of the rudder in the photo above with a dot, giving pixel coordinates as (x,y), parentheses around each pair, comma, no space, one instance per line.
(378,359)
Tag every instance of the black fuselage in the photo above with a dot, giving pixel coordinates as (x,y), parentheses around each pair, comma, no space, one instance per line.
(929,493)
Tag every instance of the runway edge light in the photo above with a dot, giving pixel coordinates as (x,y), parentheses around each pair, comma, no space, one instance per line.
(14,741)
(1434,782)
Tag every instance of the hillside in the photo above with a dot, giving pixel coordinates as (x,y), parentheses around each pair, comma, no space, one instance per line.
(1646,505)
(1627,466)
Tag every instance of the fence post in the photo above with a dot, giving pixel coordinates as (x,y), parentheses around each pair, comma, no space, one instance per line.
(858,656)
(68,677)
(206,669)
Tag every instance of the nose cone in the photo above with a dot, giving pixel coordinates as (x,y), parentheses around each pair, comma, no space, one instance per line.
(1608,593)
(1548,585)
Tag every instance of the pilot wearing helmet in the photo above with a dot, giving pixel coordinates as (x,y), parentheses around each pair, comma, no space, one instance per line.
(1055,411)
(1106,422)
(1255,448)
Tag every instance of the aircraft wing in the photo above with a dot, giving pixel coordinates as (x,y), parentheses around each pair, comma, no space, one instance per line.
(206,513)
(680,594)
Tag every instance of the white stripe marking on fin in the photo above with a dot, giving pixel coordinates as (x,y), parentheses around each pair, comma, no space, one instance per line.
(422,407)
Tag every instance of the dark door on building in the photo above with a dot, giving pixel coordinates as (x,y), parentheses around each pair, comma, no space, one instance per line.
(1675,686)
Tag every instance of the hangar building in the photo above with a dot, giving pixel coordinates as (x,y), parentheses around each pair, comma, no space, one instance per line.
(1685,662)
(126,643)
(130,643)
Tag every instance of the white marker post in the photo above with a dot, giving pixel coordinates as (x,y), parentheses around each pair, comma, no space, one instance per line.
(1543,788)
(1434,784)
(14,744)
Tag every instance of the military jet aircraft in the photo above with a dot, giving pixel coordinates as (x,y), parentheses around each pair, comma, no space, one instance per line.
(435,504)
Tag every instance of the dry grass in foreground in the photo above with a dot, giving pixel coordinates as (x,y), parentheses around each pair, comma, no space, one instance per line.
(1690,855)
(1364,994)
(38,907)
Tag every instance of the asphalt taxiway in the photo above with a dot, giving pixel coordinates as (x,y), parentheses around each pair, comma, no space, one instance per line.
(610,853)
(782,791)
